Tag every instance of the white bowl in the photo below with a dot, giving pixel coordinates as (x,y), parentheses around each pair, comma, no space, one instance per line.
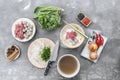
(68,75)
(23,19)
(63,31)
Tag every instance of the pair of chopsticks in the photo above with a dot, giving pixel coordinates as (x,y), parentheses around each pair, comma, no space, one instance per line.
(76,29)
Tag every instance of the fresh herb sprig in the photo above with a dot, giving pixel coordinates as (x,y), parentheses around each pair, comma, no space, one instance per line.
(45,54)
(49,17)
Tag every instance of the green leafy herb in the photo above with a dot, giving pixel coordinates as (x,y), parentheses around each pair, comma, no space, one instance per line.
(45,54)
(48,17)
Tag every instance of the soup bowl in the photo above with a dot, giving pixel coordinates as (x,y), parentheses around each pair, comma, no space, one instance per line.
(77,66)
(65,42)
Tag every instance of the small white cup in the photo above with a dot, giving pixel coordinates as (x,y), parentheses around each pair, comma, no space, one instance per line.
(68,75)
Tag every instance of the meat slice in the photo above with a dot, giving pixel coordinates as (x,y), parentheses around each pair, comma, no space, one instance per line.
(19,30)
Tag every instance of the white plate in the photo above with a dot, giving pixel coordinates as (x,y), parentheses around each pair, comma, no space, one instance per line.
(35,49)
(85,53)
(63,31)
(23,19)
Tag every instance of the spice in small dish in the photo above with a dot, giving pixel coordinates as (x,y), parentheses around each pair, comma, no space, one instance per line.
(12,52)
(81,16)
(84,19)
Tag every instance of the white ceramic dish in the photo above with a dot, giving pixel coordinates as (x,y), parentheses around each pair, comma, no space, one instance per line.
(9,47)
(34,51)
(85,53)
(23,19)
(70,75)
(63,31)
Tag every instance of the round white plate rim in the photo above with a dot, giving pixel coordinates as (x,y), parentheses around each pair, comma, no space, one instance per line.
(72,75)
(31,44)
(65,44)
(24,19)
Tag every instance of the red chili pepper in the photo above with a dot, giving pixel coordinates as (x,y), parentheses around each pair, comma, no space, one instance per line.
(97,40)
(101,39)
(97,37)
(98,43)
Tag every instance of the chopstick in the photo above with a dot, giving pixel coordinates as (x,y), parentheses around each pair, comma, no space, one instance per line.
(75,29)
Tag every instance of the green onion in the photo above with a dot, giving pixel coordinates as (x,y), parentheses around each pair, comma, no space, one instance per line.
(45,54)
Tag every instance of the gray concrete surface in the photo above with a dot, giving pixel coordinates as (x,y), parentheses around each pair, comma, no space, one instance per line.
(105,15)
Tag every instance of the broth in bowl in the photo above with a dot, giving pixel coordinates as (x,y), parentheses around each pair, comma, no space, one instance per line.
(68,66)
